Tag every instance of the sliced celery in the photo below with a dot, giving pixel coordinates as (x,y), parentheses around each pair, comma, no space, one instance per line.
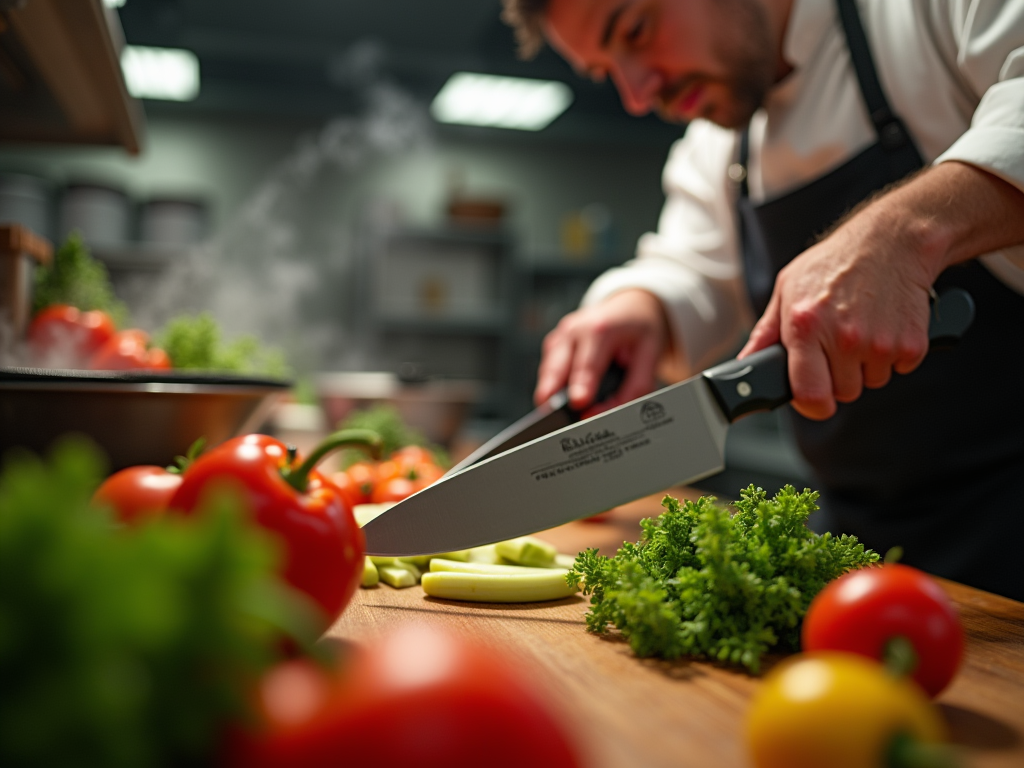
(364,513)
(398,578)
(370,576)
(396,562)
(462,555)
(454,566)
(527,550)
(532,586)
(563,561)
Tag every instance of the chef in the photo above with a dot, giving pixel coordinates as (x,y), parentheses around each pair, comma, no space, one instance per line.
(843,160)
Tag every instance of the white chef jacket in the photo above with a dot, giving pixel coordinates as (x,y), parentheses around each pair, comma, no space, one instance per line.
(953,70)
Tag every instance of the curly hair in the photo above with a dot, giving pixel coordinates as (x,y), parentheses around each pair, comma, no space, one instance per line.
(525,17)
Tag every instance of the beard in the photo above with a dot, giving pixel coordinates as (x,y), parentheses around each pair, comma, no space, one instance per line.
(744,48)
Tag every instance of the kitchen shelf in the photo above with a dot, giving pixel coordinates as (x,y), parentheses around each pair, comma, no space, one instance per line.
(60,76)
(139,257)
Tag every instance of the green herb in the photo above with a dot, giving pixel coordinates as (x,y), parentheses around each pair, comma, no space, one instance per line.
(76,278)
(704,582)
(133,646)
(387,422)
(195,342)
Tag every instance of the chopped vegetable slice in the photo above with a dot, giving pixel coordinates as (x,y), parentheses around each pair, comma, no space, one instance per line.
(441,564)
(527,550)
(399,578)
(371,577)
(534,586)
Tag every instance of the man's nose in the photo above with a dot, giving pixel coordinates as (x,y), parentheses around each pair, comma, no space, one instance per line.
(638,86)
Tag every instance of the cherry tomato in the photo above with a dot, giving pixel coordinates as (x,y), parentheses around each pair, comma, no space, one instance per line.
(349,490)
(863,610)
(129,350)
(137,491)
(404,474)
(363,475)
(63,336)
(419,697)
(323,545)
(395,489)
(411,455)
(837,710)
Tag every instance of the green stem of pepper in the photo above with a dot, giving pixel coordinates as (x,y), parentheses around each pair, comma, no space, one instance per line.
(907,752)
(899,657)
(363,439)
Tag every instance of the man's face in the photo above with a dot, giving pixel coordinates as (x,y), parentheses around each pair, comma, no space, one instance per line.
(686,59)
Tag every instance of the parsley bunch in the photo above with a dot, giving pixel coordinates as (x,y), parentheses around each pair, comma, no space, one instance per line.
(195,342)
(386,421)
(704,582)
(76,278)
(131,646)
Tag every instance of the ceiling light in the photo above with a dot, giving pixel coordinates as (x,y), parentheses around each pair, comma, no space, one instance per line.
(114,3)
(501,102)
(160,73)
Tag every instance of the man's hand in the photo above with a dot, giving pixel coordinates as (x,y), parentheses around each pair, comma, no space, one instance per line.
(629,327)
(854,308)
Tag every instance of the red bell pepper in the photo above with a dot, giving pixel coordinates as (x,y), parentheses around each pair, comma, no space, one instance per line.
(324,547)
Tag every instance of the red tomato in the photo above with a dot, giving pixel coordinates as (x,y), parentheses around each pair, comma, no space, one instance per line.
(395,489)
(412,455)
(65,337)
(363,475)
(419,697)
(323,545)
(404,474)
(862,610)
(348,488)
(137,491)
(127,351)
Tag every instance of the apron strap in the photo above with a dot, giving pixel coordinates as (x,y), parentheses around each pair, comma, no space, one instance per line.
(891,132)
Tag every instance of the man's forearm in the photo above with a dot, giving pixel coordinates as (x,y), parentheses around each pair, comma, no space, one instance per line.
(949,214)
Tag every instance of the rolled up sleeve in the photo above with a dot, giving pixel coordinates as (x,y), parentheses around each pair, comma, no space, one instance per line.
(991,60)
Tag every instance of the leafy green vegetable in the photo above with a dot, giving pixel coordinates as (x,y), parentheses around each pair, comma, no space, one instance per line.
(127,647)
(195,342)
(76,278)
(704,582)
(387,422)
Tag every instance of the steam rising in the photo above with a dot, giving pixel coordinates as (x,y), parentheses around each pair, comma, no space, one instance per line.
(284,267)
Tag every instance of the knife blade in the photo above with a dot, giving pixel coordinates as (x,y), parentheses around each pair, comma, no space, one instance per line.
(673,436)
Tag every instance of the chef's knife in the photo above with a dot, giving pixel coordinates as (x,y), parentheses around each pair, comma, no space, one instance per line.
(673,436)
(550,416)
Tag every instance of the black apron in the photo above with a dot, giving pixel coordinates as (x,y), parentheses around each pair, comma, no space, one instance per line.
(933,461)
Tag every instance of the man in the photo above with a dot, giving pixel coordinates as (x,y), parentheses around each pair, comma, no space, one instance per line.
(908,112)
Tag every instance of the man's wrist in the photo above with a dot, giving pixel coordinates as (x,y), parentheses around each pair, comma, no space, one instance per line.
(924,239)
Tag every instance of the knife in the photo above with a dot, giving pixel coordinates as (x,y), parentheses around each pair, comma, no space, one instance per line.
(670,437)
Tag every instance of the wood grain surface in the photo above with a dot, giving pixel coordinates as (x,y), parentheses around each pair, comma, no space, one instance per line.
(627,712)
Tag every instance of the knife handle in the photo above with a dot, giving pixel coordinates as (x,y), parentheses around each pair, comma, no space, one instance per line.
(610,383)
(760,382)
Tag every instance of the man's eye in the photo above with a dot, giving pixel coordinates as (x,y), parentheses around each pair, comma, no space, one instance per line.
(635,32)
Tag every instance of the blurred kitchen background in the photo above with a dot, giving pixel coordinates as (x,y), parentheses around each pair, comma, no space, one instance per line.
(312,173)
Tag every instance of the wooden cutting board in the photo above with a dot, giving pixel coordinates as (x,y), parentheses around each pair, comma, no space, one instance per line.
(626,712)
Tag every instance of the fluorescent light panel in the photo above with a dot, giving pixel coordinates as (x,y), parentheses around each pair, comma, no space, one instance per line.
(500,102)
(171,74)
